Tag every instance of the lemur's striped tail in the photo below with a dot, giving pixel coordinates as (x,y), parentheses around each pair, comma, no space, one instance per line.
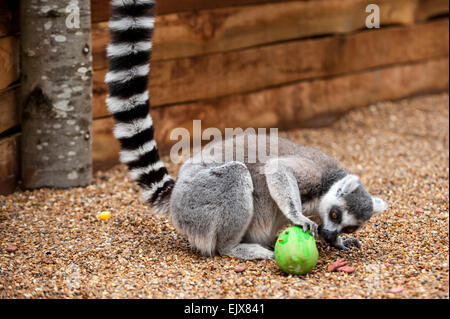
(129,53)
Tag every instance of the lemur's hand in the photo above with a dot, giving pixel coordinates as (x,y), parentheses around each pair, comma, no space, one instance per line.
(307,224)
(344,243)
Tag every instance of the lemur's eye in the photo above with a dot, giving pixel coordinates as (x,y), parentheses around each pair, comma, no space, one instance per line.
(335,215)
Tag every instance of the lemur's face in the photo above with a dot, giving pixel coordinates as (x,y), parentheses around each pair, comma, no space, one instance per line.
(346,207)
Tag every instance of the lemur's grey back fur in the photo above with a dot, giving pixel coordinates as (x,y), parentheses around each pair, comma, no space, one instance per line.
(129,53)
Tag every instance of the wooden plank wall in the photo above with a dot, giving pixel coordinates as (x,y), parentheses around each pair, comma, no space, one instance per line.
(253,63)
(9,70)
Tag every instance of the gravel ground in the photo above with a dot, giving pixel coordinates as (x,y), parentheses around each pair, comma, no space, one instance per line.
(400,150)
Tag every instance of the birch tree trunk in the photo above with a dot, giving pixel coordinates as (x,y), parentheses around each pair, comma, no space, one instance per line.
(56,93)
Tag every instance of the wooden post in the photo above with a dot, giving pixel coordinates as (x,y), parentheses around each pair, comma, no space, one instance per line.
(56,93)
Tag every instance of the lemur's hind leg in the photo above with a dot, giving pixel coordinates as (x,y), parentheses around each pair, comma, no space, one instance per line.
(213,207)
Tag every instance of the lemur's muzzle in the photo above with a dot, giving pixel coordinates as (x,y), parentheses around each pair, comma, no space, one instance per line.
(327,235)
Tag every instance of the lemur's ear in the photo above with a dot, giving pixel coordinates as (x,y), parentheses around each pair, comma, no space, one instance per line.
(347,185)
(379,205)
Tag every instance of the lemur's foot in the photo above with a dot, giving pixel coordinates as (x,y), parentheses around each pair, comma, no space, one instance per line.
(248,252)
(307,224)
(346,243)
(352,241)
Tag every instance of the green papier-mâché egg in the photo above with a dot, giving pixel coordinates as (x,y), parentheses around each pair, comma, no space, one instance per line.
(296,251)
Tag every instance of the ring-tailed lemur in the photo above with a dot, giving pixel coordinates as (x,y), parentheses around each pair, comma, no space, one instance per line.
(228,208)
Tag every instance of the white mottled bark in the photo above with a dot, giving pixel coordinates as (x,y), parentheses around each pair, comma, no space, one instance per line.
(56,93)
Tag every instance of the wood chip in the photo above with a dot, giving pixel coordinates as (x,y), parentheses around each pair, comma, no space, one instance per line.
(240,268)
(346,269)
(337,264)
(419,210)
(397,290)
(11,249)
